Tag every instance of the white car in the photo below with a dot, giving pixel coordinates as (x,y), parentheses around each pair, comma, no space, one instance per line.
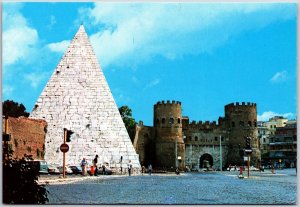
(252,168)
(52,169)
(67,169)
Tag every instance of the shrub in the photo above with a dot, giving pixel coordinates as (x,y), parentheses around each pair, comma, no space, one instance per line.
(20,184)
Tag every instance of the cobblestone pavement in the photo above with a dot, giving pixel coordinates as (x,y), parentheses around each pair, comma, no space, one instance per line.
(187,188)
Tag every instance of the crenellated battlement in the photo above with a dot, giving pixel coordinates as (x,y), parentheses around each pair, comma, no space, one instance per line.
(238,104)
(203,124)
(159,103)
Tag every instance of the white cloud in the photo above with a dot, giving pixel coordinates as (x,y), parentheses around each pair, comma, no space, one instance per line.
(133,33)
(35,79)
(152,83)
(279,77)
(120,96)
(59,47)
(269,114)
(19,39)
(7,90)
(52,22)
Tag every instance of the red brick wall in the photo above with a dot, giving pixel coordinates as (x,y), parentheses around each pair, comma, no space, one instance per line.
(27,136)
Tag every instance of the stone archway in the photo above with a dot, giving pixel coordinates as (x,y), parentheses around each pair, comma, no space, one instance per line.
(206,160)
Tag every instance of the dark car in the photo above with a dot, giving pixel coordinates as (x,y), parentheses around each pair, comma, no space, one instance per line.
(76,169)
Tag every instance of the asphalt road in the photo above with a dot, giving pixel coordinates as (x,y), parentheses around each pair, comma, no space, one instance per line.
(261,188)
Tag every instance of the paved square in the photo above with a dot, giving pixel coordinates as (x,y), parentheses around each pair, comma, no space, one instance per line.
(186,188)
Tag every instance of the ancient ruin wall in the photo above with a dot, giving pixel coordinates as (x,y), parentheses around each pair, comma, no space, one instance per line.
(27,137)
(144,144)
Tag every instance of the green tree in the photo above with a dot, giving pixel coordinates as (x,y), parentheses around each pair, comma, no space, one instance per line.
(14,109)
(129,121)
(20,184)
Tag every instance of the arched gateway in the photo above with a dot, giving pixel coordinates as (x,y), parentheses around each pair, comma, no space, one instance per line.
(206,160)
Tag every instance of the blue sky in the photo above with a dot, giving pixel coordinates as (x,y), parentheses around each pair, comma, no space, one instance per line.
(204,55)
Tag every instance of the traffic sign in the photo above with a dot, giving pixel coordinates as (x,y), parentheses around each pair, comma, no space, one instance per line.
(64,147)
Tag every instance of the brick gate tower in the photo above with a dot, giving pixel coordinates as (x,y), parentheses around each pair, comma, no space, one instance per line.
(241,122)
(77,97)
(169,144)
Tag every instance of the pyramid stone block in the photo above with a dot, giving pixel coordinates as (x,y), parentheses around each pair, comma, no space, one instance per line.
(77,97)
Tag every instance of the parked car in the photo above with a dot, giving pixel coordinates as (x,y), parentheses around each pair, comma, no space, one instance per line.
(108,171)
(53,169)
(67,169)
(39,165)
(252,168)
(76,169)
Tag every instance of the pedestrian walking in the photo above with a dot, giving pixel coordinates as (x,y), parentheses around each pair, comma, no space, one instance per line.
(150,169)
(95,161)
(103,169)
(83,166)
(177,171)
(129,168)
(143,169)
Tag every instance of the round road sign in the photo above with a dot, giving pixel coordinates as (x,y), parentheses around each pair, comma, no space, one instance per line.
(64,147)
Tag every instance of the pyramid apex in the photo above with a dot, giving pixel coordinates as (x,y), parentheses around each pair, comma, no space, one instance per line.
(81,28)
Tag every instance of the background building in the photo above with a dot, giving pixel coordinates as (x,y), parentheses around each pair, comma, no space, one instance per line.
(283,145)
(174,141)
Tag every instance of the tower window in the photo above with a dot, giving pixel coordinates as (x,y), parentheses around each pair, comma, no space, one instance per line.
(216,138)
(255,124)
(241,123)
(196,138)
(178,120)
(190,138)
(163,120)
(249,123)
(157,120)
(171,121)
(233,124)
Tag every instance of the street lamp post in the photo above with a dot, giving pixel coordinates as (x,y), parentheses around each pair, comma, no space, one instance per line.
(176,161)
(220,153)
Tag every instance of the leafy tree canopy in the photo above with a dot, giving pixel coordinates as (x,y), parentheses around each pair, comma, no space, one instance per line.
(14,109)
(129,121)
(126,114)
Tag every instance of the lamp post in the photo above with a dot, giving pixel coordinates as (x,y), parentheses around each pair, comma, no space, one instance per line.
(176,161)
(280,164)
(221,154)
(121,159)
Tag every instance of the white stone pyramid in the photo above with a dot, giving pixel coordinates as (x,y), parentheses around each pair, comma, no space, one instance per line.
(77,97)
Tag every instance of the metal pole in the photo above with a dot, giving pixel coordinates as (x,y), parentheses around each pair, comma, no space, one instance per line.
(213,149)
(248,166)
(6,142)
(176,164)
(64,154)
(221,154)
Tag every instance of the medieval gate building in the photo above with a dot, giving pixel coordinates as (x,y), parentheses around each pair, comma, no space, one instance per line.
(174,141)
